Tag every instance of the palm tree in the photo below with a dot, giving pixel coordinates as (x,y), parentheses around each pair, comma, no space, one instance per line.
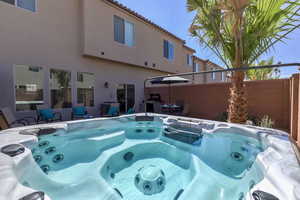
(263,74)
(239,32)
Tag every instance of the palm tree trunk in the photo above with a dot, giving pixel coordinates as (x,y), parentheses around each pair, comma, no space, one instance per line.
(237,111)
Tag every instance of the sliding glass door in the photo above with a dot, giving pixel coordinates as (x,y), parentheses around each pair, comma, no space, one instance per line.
(126,96)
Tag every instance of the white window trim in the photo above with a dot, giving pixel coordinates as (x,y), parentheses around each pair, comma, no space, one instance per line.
(213,77)
(197,68)
(35,6)
(133,33)
(126,93)
(14,78)
(170,59)
(190,60)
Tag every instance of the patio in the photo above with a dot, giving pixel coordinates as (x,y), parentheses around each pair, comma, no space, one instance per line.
(149,100)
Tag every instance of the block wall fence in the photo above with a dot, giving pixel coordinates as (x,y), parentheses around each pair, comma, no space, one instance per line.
(279,99)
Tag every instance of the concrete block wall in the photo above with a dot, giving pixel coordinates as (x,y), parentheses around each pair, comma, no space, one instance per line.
(279,99)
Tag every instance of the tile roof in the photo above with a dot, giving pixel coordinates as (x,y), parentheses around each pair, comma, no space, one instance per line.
(208,62)
(189,48)
(123,7)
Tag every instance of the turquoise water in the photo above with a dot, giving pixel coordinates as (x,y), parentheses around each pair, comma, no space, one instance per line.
(102,159)
(175,164)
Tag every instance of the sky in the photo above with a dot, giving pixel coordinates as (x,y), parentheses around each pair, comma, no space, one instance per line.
(173,16)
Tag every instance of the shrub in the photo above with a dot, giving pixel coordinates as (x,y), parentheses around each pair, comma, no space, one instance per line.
(222,117)
(266,122)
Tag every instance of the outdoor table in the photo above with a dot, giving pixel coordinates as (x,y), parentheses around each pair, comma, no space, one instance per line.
(170,108)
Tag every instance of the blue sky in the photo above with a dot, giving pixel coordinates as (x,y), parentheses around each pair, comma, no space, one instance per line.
(173,16)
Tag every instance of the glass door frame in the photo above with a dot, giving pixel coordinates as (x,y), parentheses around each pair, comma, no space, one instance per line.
(126,88)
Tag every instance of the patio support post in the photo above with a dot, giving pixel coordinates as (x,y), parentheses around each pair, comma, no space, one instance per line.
(145,103)
(295,108)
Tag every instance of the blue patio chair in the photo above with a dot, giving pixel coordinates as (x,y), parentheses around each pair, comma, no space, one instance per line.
(112,112)
(80,112)
(130,111)
(47,114)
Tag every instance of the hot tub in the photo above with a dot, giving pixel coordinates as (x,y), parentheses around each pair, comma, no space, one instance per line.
(168,158)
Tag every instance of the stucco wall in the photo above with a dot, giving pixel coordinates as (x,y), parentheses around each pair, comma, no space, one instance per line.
(206,65)
(99,37)
(207,101)
(52,38)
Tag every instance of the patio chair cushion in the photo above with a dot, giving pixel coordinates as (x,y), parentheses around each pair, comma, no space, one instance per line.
(113,111)
(10,118)
(79,111)
(130,111)
(46,114)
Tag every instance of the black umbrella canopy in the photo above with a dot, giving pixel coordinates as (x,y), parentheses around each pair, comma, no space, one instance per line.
(169,80)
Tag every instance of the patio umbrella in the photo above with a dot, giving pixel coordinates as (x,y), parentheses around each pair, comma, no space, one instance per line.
(169,80)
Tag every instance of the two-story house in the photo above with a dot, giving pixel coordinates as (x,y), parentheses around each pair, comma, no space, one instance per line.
(65,52)
(206,65)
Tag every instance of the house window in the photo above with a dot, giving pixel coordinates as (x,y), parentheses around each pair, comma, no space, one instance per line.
(126,97)
(213,74)
(9,1)
(85,88)
(60,88)
(189,59)
(168,50)
(123,31)
(129,33)
(80,77)
(26,4)
(29,82)
(222,76)
(197,67)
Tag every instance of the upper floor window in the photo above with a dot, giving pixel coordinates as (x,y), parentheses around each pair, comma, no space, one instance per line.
(213,74)
(9,1)
(189,59)
(29,81)
(123,31)
(197,67)
(222,76)
(26,4)
(168,50)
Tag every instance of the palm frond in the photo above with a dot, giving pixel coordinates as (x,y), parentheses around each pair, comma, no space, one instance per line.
(245,28)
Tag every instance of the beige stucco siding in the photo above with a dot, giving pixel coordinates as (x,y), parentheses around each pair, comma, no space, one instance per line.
(71,35)
(52,38)
(99,37)
(205,65)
